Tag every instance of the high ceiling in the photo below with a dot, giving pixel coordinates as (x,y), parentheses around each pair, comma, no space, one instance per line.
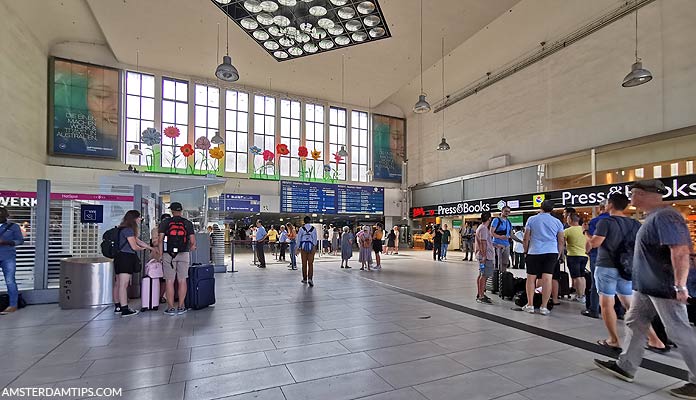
(181,35)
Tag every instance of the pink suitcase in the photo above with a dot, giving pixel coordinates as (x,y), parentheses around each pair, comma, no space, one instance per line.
(149,293)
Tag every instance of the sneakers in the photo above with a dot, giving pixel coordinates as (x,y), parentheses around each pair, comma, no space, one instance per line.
(311,284)
(590,314)
(181,310)
(529,309)
(117,309)
(612,368)
(170,311)
(580,299)
(544,311)
(304,281)
(347,267)
(127,312)
(483,300)
(687,391)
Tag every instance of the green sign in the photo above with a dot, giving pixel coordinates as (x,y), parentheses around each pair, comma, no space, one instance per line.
(516,220)
(456,223)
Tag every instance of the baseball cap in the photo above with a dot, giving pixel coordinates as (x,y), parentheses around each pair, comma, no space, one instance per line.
(650,185)
(176,206)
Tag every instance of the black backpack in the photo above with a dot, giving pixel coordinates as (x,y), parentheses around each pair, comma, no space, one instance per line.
(175,236)
(623,255)
(110,245)
(501,224)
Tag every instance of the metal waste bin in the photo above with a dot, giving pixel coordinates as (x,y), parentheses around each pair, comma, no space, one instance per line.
(86,282)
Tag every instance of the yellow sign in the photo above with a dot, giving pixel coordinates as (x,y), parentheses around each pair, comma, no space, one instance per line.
(538,199)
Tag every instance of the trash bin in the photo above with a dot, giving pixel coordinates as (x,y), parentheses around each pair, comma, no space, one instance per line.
(86,282)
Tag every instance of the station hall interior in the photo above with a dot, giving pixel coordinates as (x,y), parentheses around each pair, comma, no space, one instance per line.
(348,199)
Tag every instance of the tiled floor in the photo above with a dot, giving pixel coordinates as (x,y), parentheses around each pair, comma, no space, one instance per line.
(270,338)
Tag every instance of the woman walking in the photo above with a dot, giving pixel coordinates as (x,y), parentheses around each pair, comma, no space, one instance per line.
(391,239)
(292,240)
(346,246)
(365,242)
(127,262)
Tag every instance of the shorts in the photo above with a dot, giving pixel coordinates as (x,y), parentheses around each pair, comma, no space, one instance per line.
(377,246)
(610,283)
(176,267)
(539,264)
(487,271)
(576,266)
(503,254)
(126,263)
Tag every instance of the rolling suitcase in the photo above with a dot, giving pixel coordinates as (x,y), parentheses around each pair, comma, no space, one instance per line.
(507,285)
(201,287)
(150,293)
(564,283)
(493,283)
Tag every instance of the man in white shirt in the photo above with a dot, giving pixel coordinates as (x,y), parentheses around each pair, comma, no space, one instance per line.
(307,237)
(518,248)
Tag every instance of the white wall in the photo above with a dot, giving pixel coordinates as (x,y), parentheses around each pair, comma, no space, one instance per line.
(571,101)
(23,88)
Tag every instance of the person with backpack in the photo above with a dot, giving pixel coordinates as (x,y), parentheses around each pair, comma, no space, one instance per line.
(437,243)
(177,240)
(308,247)
(615,238)
(660,274)
(292,240)
(126,261)
(10,237)
(501,228)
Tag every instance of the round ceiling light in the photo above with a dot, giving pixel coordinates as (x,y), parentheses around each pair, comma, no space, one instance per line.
(310,48)
(326,44)
(303,38)
(288,3)
(317,11)
(286,42)
(281,20)
(224,2)
(249,23)
(295,51)
(339,2)
(271,45)
(353,25)
(366,7)
(359,36)
(253,6)
(280,54)
(306,26)
(371,20)
(377,32)
(269,6)
(261,35)
(275,31)
(342,40)
(265,19)
(346,13)
(318,33)
(326,23)
(336,30)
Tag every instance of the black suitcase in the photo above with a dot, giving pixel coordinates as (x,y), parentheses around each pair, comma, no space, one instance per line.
(563,282)
(520,300)
(691,309)
(507,285)
(493,283)
(200,287)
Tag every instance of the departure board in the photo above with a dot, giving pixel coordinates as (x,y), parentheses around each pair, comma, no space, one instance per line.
(307,197)
(360,200)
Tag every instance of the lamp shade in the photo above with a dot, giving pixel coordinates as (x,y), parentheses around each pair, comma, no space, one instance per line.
(343,152)
(217,139)
(637,76)
(422,106)
(226,71)
(443,146)
(135,151)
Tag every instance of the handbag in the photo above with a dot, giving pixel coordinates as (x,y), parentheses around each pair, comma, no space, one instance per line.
(153,269)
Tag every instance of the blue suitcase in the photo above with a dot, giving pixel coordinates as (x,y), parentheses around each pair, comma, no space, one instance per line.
(201,287)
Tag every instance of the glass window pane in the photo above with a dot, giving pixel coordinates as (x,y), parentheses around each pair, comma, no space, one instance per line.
(333,135)
(258,123)
(285,108)
(201,95)
(341,136)
(230,161)
(258,104)
(132,83)
(295,128)
(285,127)
(132,106)
(243,122)
(285,166)
(269,128)
(270,106)
(243,99)
(168,89)
(213,117)
(132,130)
(296,109)
(269,143)
(200,116)
(168,115)
(148,85)
(213,96)
(181,91)
(231,100)
(242,142)
(258,141)
(181,113)
(148,109)
(231,120)
(242,163)
(363,155)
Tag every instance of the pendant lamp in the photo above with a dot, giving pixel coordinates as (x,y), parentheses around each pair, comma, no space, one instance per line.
(226,71)
(217,139)
(135,151)
(422,106)
(443,146)
(638,74)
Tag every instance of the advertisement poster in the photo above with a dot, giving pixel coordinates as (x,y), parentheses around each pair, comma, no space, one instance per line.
(84,105)
(389,143)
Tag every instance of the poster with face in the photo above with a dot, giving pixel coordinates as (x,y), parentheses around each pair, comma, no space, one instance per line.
(84,103)
(389,144)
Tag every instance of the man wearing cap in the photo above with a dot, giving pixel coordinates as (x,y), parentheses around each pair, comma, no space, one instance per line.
(592,301)
(660,272)
(177,239)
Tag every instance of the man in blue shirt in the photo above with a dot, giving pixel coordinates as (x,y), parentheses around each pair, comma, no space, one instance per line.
(307,237)
(261,236)
(10,238)
(592,302)
(501,229)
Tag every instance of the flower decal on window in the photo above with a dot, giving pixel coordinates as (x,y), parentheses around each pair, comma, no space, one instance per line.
(302,152)
(327,168)
(316,154)
(150,137)
(282,149)
(172,132)
(202,143)
(268,155)
(187,150)
(255,150)
(217,153)
(337,157)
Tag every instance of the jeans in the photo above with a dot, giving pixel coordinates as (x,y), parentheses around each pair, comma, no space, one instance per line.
(293,255)
(437,248)
(443,250)
(673,315)
(9,268)
(592,303)
(468,249)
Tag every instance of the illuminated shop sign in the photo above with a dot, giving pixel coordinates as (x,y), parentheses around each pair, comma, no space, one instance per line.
(28,199)
(679,188)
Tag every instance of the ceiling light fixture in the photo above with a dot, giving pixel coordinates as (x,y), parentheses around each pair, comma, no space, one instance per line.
(217,139)
(308,26)
(638,74)
(422,106)
(443,146)
(135,151)
(226,71)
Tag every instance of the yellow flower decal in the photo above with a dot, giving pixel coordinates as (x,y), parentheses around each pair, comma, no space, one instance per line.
(316,154)
(217,153)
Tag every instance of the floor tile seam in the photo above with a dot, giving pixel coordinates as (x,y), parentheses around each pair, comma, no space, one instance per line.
(420,359)
(545,383)
(649,364)
(617,382)
(310,359)
(215,373)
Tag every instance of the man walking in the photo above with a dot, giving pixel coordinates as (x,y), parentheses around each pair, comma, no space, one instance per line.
(660,271)
(501,229)
(437,243)
(176,239)
(592,302)
(308,247)
(485,254)
(543,244)
(468,242)
(261,237)
(446,236)
(10,237)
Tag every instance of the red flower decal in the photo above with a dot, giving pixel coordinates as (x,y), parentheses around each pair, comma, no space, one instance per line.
(187,150)
(268,155)
(282,149)
(337,157)
(172,132)
(302,152)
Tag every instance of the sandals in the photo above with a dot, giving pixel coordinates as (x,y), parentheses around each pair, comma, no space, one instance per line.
(658,350)
(606,345)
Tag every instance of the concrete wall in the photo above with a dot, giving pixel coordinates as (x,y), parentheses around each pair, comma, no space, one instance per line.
(23,91)
(570,101)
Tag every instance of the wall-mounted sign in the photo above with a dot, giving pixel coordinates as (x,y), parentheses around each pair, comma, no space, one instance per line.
(360,200)
(240,202)
(389,147)
(28,199)
(91,213)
